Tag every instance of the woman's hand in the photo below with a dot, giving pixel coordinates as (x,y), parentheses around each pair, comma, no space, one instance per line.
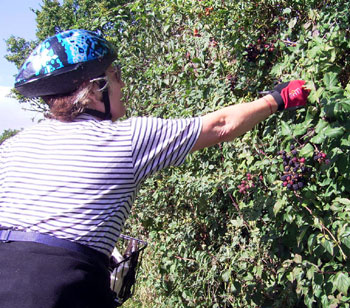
(289,95)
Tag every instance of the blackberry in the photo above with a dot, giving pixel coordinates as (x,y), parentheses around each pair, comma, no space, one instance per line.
(294,169)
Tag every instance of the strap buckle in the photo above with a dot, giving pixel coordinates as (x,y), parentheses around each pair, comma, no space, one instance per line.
(4,235)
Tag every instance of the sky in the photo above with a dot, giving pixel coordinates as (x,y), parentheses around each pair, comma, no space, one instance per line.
(16,18)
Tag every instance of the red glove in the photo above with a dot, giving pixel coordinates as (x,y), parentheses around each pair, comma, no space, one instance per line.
(290,94)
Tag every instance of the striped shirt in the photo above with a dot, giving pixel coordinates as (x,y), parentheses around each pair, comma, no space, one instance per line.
(78,180)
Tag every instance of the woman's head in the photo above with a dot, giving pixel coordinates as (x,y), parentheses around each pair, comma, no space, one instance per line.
(61,68)
(67,106)
(89,98)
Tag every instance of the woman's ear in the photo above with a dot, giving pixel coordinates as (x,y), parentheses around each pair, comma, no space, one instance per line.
(95,97)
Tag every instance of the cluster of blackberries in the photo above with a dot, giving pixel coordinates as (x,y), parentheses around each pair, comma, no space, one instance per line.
(321,158)
(295,171)
(248,182)
(254,50)
(232,81)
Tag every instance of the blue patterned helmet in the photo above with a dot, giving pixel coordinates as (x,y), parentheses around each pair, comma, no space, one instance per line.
(62,62)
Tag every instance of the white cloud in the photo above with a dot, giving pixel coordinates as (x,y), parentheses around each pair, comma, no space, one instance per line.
(4,91)
(12,115)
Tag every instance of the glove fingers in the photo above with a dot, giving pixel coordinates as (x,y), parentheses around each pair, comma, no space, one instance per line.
(294,95)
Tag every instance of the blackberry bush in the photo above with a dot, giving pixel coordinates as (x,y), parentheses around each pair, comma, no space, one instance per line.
(213,242)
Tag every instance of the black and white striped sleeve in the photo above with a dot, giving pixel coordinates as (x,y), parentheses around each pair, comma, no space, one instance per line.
(159,143)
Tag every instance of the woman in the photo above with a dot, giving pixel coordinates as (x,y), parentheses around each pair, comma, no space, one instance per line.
(67,184)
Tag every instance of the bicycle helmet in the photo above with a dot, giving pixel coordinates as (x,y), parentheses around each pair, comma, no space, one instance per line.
(62,62)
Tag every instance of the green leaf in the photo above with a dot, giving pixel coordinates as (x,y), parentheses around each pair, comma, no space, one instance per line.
(342,282)
(321,125)
(320,92)
(226,275)
(319,138)
(298,258)
(258,270)
(166,28)
(278,205)
(286,130)
(310,272)
(308,301)
(196,60)
(300,237)
(292,23)
(328,245)
(325,131)
(319,129)
(344,201)
(324,300)
(301,128)
(312,240)
(307,151)
(330,79)
(346,241)
(315,51)
(334,132)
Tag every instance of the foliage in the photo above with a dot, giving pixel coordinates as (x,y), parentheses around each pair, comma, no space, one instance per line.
(7,133)
(212,243)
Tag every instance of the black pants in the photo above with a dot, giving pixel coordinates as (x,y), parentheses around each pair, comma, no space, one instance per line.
(35,275)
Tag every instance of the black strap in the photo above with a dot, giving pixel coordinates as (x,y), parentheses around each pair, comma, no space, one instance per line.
(96,113)
(107,104)
(105,98)
(279,100)
(21,236)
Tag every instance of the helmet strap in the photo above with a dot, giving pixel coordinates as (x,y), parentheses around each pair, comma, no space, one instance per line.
(107,104)
(102,115)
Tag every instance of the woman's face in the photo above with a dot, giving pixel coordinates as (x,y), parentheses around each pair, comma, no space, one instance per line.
(115,92)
